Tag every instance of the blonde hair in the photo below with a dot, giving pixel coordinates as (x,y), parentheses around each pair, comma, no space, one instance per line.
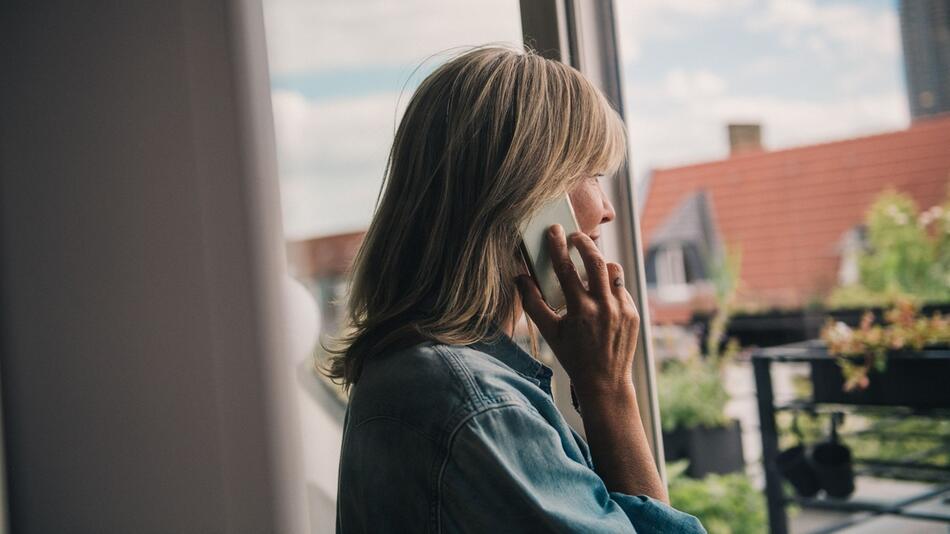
(486,140)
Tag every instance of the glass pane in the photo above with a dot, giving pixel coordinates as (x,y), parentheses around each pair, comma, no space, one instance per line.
(342,73)
(796,152)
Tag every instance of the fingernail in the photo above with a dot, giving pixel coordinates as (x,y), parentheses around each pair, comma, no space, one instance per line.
(556,230)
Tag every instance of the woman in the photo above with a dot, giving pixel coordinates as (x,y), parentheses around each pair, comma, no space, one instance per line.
(451,426)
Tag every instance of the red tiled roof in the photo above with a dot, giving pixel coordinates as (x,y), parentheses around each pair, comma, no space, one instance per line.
(788,209)
(324,257)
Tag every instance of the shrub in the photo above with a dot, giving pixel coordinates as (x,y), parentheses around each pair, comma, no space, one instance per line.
(907,255)
(724,504)
(691,393)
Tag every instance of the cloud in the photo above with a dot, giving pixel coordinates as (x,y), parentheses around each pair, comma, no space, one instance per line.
(791,122)
(312,209)
(333,151)
(641,20)
(808,71)
(687,85)
(859,29)
(332,156)
(308,35)
(669,130)
(334,132)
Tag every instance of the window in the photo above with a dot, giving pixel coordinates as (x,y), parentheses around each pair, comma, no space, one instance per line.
(852,245)
(670,268)
(341,75)
(792,161)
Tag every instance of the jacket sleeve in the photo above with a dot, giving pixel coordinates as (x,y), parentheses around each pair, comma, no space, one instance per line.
(507,470)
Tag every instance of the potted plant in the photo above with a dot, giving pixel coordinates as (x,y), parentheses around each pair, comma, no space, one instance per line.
(902,362)
(896,357)
(725,504)
(692,410)
(692,393)
(695,426)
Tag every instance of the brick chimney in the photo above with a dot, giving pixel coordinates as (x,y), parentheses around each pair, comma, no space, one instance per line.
(744,138)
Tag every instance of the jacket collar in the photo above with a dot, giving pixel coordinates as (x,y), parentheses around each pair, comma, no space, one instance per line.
(511,354)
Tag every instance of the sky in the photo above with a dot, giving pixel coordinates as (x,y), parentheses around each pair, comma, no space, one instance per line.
(809,71)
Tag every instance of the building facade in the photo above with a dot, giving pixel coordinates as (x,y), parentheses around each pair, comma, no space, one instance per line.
(925,33)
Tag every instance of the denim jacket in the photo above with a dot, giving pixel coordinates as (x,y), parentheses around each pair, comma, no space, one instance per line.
(452,438)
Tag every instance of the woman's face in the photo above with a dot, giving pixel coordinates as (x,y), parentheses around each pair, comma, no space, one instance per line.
(591,206)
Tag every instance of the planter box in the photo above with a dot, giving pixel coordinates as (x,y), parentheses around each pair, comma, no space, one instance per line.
(914,379)
(780,327)
(676,444)
(709,450)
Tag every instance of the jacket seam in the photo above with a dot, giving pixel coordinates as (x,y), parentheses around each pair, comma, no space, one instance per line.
(451,441)
(455,363)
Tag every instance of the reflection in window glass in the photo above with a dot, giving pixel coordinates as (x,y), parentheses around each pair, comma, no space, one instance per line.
(342,73)
(791,151)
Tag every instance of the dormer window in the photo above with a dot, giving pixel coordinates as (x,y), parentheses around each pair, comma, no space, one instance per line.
(673,268)
(681,248)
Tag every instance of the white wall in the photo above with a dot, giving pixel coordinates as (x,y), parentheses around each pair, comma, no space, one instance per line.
(145,387)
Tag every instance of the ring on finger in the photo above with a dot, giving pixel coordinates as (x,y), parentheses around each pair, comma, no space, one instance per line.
(618,282)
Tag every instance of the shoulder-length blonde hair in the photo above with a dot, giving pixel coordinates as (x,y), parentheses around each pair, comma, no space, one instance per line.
(486,140)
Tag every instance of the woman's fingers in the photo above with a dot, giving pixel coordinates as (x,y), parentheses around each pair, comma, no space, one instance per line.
(617,287)
(594,263)
(535,307)
(564,268)
(617,283)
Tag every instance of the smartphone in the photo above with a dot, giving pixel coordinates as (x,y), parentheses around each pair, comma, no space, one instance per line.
(537,255)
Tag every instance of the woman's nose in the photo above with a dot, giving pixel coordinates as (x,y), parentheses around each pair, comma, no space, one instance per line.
(609,213)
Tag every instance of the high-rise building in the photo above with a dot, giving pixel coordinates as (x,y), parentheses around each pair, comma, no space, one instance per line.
(925,32)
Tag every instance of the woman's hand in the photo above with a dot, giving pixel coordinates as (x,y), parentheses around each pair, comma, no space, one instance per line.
(595,341)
